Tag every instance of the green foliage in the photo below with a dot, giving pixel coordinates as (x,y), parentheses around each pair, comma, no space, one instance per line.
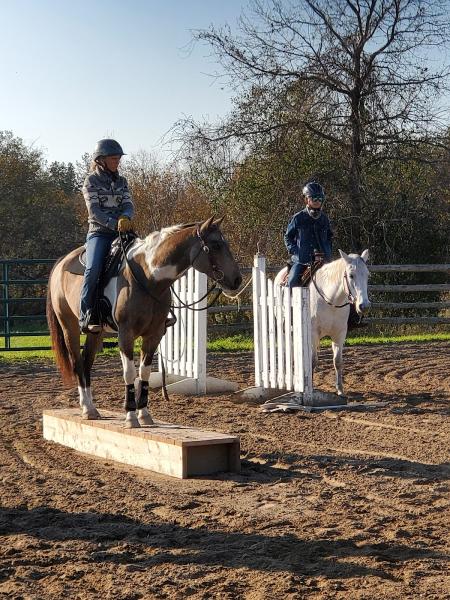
(37,206)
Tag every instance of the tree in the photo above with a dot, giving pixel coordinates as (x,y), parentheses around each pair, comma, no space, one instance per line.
(352,72)
(39,214)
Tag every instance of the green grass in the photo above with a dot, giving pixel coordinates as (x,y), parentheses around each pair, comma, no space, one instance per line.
(234,343)
(242,342)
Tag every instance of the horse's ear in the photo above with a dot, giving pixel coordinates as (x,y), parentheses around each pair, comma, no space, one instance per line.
(344,256)
(365,256)
(218,221)
(206,225)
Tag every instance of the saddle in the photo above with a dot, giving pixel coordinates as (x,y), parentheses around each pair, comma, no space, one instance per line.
(319,260)
(111,269)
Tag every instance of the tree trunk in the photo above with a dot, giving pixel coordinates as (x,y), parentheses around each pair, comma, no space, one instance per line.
(355,175)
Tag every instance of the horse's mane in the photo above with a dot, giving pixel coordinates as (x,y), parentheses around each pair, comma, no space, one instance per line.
(155,237)
(332,272)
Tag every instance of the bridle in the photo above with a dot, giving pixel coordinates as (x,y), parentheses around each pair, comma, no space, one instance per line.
(351,299)
(219,275)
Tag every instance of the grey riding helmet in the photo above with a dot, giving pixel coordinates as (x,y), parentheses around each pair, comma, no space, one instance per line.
(107,147)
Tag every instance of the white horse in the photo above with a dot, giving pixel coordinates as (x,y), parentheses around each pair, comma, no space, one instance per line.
(333,288)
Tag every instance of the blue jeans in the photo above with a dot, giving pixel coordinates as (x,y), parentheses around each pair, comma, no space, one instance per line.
(295,274)
(97,248)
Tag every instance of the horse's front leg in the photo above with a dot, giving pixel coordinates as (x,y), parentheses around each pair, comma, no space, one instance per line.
(338,346)
(129,375)
(149,345)
(91,346)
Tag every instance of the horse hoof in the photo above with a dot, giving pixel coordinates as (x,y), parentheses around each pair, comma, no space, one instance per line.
(91,415)
(146,420)
(131,423)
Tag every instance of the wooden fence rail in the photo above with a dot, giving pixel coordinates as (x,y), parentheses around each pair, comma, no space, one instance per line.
(376,305)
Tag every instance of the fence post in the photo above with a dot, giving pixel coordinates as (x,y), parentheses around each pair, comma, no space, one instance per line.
(200,324)
(259,272)
(6,302)
(305,325)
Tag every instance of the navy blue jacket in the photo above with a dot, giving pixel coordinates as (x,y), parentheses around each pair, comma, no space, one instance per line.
(305,234)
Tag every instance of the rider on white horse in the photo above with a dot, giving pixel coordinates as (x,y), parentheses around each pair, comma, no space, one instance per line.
(308,233)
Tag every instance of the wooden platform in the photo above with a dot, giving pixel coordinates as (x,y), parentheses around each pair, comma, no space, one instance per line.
(170,449)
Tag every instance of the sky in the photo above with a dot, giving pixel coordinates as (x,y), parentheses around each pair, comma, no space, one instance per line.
(73,72)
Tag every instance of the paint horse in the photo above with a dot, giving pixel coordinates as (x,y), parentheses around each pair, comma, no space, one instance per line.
(140,298)
(333,288)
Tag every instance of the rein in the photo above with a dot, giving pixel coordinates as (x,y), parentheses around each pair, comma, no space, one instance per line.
(349,294)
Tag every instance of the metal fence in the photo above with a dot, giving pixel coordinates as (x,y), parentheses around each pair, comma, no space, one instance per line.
(12,295)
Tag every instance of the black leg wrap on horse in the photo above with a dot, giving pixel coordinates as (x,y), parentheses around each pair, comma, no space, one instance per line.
(142,394)
(130,398)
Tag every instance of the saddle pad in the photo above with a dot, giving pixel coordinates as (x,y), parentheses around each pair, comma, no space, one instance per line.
(75,265)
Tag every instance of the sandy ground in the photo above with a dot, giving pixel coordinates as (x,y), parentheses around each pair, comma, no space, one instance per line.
(331,505)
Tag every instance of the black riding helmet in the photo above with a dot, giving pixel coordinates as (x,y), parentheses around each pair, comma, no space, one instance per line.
(107,147)
(314,191)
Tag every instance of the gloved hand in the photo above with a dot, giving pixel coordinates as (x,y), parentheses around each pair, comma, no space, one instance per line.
(124,224)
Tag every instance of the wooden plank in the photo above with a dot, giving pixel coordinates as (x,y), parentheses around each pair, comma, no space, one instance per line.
(200,326)
(406,320)
(409,268)
(271,334)
(190,326)
(258,266)
(288,337)
(306,349)
(280,337)
(165,448)
(426,287)
(398,305)
(264,332)
(383,268)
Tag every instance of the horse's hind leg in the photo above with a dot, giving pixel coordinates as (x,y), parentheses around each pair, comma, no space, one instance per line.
(338,346)
(72,339)
(149,345)
(91,347)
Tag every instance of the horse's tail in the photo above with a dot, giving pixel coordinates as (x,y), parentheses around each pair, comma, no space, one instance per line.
(59,346)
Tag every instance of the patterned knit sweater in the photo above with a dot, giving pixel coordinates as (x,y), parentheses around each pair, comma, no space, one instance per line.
(107,198)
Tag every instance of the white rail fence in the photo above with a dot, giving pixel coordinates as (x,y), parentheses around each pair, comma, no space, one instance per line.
(282,335)
(183,347)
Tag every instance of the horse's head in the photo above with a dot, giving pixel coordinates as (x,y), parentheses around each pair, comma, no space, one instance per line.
(357,277)
(212,255)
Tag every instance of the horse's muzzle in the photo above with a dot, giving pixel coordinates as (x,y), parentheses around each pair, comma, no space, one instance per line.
(231,284)
(236,282)
(363,307)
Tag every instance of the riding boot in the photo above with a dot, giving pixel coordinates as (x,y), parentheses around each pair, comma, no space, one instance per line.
(91,322)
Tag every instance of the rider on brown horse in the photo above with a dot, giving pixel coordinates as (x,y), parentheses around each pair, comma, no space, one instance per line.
(110,210)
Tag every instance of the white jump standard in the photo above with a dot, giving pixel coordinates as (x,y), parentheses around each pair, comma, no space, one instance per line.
(283,346)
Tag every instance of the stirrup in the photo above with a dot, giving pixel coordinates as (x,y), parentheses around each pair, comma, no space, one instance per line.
(90,323)
(91,328)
